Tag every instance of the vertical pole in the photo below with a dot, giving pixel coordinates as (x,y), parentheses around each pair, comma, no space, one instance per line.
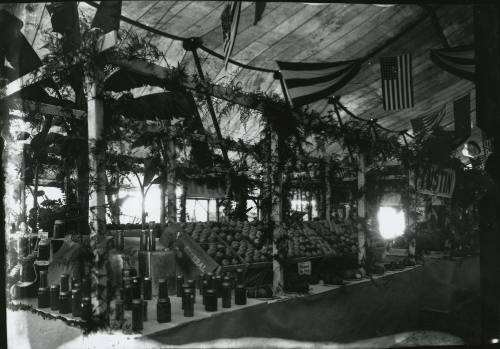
(276,209)
(163,211)
(171,181)
(361,211)
(208,210)
(97,197)
(182,217)
(217,207)
(328,191)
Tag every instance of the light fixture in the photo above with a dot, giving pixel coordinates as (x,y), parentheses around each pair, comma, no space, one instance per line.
(391,222)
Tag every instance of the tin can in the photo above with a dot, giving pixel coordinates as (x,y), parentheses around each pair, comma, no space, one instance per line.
(76,302)
(43,250)
(43,297)
(226,295)
(64,303)
(137,312)
(163,310)
(54,297)
(240,295)
(210,300)
(147,288)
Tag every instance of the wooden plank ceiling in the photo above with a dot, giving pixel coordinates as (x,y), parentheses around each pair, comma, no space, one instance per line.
(301,32)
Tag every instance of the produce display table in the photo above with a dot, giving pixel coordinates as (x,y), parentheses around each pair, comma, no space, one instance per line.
(449,282)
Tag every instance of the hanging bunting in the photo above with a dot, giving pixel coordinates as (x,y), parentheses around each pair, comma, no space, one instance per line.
(230,19)
(310,82)
(397,84)
(107,16)
(459,60)
(427,122)
(260,6)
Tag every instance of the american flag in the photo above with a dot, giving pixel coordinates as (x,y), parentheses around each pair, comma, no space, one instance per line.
(397,84)
(428,122)
(230,19)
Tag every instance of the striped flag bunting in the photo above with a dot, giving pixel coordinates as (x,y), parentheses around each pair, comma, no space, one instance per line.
(428,122)
(397,83)
(308,82)
(458,60)
(230,19)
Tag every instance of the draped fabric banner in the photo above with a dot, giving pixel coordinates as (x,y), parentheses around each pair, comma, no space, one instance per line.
(458,60)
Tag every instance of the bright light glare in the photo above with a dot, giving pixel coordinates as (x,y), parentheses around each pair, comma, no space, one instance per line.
(494,340)
(391,222)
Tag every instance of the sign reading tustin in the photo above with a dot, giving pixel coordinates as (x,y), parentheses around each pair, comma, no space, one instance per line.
(434,181)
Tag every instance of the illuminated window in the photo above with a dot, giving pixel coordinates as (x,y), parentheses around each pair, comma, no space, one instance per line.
(391,222)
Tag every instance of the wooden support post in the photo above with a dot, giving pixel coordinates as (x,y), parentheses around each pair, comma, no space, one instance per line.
(328,191)
(276,208)
(163,211)
(97,193)
(183,200)
(217,208)
(361,210)
(208,210)
(171,182)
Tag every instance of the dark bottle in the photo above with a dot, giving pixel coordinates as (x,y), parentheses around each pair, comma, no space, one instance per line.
(239,276)
(54,297)
(85,288)
(218,285)
(86,308)
(73,282)
(192,286)
(162,289)
(119,310)
(240,295)
(188,303)
(228,279)
(64,283)
(119,240)
(210,279)
(43,297)
(44,248)
(76,302)
(144,310)
(136,288)
(147,288)
(127,297)
(210,300)
(205,287)
(179,280)
(200,283)
(226,295)
(64,303)
(185,287)
(163,310)
(137,312)
(152,237)
(126,277)
(142,241)
(43,278)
